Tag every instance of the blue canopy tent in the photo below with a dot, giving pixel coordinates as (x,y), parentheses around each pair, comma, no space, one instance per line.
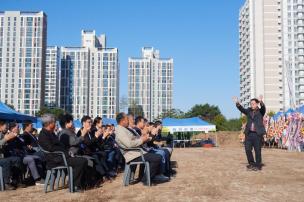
(300,109)
(289,111)
(77,123)
(187,125)
(194,124)
(6,113)
(278,115)
(107,121)
(38,124)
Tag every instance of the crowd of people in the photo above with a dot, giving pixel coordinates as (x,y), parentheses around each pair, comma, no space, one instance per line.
(96,152)
(285,131)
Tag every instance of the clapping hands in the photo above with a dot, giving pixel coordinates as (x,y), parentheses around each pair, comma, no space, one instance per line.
(10,136)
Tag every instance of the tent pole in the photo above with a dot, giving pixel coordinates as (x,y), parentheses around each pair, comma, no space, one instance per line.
(216,144)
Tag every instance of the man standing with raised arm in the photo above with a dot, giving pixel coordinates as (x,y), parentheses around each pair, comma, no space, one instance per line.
(254,130)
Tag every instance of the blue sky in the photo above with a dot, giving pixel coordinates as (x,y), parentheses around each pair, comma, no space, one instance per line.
(201,36)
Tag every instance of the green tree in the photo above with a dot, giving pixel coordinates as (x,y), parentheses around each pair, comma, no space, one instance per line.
(172,113)
(234,124)
(136,110)
(206,112)
(220,122)
(45,110)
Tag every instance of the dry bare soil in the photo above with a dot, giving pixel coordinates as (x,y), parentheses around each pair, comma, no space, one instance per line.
(213,174)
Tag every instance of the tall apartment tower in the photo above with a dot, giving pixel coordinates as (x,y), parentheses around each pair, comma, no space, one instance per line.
(23,37)
(89,83)
(150,83)
(52,75)
(293,40)
(261,53)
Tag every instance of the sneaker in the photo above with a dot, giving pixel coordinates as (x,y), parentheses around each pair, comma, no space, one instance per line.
(161,178)
(39,182)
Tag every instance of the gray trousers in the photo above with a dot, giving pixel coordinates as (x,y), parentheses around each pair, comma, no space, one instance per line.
(29,160)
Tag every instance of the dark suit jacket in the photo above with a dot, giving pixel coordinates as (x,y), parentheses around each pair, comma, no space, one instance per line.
(255,117)
(30,139)
(90,143)
(50,142)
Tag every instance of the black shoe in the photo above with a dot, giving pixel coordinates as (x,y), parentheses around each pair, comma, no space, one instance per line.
(173,172)
(10,187)
(21,185)
(111,174)
(78,189)
(256,168)
(160,178)
(250,167)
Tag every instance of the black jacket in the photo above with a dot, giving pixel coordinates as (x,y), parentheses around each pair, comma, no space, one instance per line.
(30,139)
(50,142)
(16,147)
(254,116)
(90,143)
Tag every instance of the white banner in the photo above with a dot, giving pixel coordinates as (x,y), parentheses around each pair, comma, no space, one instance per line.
(205,129)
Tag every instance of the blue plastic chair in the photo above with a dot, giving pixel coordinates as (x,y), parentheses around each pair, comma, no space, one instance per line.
(53,175)
(129,173)
(1,180)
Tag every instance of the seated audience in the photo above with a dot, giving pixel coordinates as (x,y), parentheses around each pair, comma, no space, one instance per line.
(50,142)
(10,164)
(125,139)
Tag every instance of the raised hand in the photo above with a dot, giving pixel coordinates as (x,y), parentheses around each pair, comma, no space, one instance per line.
(261,98)
(235,99)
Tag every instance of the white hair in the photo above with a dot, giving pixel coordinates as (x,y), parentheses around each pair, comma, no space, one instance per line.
(47,119)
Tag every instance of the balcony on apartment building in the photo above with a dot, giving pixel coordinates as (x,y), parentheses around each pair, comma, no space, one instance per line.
(300,2)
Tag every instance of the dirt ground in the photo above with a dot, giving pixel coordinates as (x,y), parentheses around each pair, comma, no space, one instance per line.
(203,174)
